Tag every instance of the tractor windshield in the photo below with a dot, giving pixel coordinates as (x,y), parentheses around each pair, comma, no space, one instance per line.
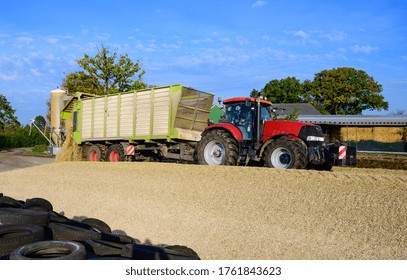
(242,116)
(238,114)
(266,113)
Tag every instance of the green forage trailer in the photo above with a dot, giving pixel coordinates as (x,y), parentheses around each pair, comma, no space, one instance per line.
(150,124)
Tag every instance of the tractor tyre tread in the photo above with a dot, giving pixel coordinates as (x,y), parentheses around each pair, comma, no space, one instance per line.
(229,143)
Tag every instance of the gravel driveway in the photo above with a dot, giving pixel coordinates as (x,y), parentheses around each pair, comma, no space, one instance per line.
(15,159)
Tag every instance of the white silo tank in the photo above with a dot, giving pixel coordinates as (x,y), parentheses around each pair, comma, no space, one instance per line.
(57,96)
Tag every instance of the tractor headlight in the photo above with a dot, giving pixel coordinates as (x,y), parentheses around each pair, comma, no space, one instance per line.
(315,138)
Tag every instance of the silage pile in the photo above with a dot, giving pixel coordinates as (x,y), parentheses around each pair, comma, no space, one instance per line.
(230,212)
(70,151)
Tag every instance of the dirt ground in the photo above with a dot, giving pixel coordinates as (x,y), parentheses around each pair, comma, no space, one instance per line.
(15,159)
(382,160)
(232,212)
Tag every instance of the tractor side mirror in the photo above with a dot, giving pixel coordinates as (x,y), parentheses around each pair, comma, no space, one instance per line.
(248,102)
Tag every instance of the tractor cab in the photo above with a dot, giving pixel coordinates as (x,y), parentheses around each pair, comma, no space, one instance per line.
(242,112)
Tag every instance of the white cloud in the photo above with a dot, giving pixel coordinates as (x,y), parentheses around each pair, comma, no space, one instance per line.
(51,40)
(215,57)
(299,33)
(8,77)
(145,47)
(35,72)
(202,41)
(259,3)
(242,41)
(304,37)
(24,39)
(367,49)
(335,35)
(102,36)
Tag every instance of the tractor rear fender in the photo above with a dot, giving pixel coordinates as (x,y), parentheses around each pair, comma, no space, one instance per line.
(230,128)
(278,136)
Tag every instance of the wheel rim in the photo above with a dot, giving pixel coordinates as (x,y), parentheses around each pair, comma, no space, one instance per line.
(93,156)
(281,158)
(214,153)
(114,156)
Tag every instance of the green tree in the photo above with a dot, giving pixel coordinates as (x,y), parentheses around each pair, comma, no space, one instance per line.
(105,73)
(7,117)
(346,91)
(288,90)
(40,122)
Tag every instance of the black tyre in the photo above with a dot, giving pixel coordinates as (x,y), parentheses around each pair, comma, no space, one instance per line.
(82,232)
(50,250)
(183,249)
(9,216)
(38,204)
(62,231)
(96,153)
(104,248)
(55,217)
(97,224)
(217,147)
(285,153)
(6,201)
(115,153)
(149,252)
(95,258)
(14,236)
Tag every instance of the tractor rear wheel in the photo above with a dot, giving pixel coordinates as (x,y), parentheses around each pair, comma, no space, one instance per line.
(115,153)
(217,147)
(285,153)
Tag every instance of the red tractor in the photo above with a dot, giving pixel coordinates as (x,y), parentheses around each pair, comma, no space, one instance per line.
(247,133)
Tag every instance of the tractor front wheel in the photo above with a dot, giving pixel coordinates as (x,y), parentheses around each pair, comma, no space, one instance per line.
(285,153)
(217,147)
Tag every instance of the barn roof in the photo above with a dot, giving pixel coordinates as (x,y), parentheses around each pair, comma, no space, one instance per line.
(355,120)
(285,109)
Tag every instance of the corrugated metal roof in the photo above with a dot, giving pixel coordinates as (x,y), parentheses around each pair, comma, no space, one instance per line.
(355,120)
(285,109)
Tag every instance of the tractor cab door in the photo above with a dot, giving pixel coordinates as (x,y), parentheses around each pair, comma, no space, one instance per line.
(265,115)
(242,117)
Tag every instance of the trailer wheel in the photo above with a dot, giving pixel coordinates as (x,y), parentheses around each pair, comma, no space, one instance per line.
(217,147)
(115,153)
(95,153)
(285,153)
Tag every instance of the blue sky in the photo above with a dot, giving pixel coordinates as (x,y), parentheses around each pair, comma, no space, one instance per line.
(224,47)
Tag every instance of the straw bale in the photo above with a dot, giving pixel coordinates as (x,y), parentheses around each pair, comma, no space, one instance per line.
(383,134)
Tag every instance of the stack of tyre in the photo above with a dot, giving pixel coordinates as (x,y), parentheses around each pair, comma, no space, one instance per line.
(31,229)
